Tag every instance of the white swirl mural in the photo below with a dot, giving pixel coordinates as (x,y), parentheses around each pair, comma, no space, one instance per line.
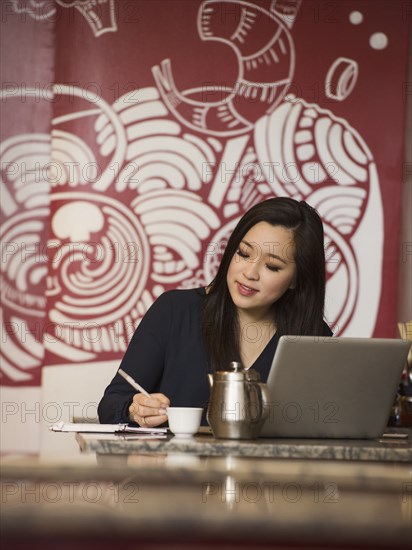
(143,192)
(24,266)
(265,57)
(100,15)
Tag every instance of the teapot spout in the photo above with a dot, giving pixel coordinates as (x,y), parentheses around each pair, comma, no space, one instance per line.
(210,379)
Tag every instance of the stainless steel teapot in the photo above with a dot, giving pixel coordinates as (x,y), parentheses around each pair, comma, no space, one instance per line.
(238,403)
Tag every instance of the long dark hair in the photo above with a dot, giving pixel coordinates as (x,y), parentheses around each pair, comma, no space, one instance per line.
(299,311)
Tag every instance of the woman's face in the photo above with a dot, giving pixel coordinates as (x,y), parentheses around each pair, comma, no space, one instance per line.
(262,269)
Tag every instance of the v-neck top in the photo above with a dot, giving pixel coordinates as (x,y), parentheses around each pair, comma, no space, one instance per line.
(166,355)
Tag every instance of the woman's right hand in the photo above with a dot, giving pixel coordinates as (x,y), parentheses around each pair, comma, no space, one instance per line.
(149,412)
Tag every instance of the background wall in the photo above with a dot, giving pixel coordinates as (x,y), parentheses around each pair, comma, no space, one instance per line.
(405,260)
(134,135)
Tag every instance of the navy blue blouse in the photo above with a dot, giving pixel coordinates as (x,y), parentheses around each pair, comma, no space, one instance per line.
(166,355)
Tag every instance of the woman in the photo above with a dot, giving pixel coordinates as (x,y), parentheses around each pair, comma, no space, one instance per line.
(270,282)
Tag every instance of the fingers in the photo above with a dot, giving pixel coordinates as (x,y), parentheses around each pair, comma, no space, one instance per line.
(149,411)
(152,421)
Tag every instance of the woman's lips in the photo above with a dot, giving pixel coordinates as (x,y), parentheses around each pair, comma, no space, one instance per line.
(245,290)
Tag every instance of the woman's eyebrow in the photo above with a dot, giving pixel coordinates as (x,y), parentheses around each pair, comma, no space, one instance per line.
(274,256)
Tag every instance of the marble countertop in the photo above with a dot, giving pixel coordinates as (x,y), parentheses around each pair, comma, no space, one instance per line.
(190,500)
(383,450)
(209,493)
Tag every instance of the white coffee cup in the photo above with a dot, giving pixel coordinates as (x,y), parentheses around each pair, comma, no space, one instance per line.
(184,421)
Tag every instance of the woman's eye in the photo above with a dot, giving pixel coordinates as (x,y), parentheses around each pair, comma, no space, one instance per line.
(273,267)
(242,254)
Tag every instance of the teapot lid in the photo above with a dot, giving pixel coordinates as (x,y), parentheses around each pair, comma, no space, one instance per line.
(235,366)
(236,371)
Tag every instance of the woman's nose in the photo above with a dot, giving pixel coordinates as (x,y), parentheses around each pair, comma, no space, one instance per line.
(251,270)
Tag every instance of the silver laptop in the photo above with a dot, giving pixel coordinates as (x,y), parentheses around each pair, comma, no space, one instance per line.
(333,387)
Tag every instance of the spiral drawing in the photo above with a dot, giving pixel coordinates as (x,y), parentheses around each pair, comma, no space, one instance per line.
(128,199)
(25,202)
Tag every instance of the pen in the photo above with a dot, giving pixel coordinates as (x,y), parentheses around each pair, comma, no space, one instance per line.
(133,382)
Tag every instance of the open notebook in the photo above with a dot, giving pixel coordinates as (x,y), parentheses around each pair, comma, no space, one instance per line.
(94,428)
(333,387)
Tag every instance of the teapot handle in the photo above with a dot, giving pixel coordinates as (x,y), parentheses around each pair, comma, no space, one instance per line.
(260,390)
(265,399)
